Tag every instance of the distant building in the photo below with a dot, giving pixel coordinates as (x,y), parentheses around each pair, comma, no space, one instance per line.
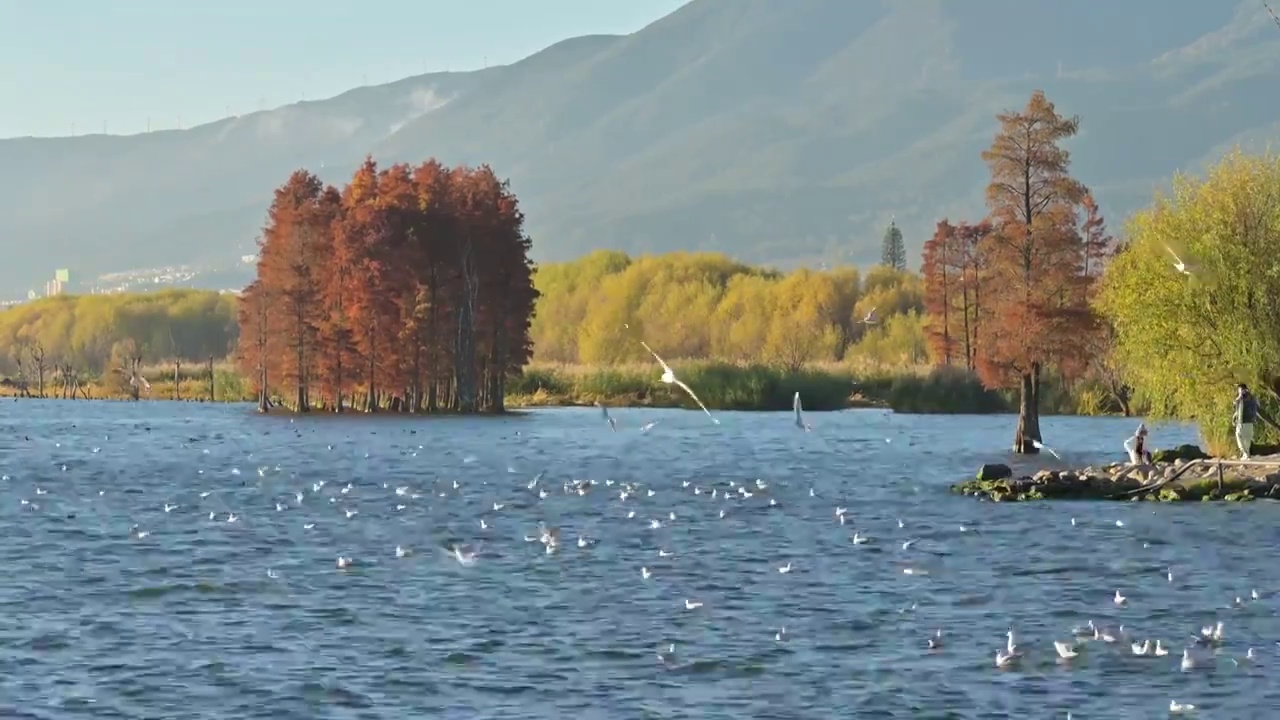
(58,285)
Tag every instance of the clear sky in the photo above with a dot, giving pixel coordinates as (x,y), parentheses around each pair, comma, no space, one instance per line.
(75,66)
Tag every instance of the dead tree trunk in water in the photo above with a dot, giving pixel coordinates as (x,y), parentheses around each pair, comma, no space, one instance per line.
(21,382)
(38,362)
(211,387)
(136,381)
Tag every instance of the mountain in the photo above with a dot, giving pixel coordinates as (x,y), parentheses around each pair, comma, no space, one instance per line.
(779,132)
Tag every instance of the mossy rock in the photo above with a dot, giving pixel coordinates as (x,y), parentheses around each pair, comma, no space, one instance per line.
(1181,452)
(995,471)
(1242,496)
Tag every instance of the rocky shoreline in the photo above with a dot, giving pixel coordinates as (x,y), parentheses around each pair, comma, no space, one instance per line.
(1181,474)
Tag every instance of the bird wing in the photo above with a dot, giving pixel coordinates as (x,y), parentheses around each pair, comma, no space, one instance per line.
(657,357)
(694,395)
(1174,254)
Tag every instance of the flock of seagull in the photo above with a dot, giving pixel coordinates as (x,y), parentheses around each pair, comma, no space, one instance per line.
(1203,649)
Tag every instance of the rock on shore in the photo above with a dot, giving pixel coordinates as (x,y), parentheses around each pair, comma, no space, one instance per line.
(1166,479)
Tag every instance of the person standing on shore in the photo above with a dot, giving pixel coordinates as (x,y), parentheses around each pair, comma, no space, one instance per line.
(1244,416)
(1136,446)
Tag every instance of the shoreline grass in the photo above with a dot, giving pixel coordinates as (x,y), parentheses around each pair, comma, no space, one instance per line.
(730,386)
(914,389)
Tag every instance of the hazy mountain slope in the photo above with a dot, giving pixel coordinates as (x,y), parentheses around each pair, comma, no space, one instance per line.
(782,132)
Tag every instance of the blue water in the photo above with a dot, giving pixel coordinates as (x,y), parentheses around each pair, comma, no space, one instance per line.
(253,619)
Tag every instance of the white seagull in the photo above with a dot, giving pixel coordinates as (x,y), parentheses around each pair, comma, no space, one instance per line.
(1041,446)
(870,318)
(1178,264)
(669,377)
(799,410)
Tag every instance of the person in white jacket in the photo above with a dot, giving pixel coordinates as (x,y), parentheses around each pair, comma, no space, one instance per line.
(1136,446)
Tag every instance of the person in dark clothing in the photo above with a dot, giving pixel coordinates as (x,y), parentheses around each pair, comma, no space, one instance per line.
(1244,416)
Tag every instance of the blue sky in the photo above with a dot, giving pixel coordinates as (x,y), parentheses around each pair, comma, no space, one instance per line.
(75,66)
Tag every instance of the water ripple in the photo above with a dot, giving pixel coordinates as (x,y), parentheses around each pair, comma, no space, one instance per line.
(205,618)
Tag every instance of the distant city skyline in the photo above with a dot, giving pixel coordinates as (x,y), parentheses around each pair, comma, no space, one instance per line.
(77,68)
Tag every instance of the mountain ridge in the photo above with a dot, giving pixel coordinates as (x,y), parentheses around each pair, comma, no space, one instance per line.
(780,133)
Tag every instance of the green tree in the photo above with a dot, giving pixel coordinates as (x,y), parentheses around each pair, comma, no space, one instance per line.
(893,253)
(1183,341)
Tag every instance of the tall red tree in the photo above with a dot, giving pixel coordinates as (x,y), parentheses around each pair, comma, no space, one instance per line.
(1097,362)
(970,238)
(953,271)
(1035,259)
(255,349)
(940,287)
(293,253)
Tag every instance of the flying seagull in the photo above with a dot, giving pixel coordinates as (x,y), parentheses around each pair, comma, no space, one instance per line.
(669,377)
(800,423)
(1177,262)
(870,319)
(1041,446)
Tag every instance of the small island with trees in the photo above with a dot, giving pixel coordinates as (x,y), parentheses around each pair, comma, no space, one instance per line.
(411,289)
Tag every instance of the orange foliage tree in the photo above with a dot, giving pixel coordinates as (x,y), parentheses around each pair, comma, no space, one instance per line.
(1010,296)
(411,289)
(953,271)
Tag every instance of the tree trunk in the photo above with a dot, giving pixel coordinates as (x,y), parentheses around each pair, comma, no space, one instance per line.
(464,356)
(177,379)
(263,404)
(1028,416)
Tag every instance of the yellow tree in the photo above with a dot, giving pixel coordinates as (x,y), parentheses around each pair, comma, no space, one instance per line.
(1183,341)
(802,330)
(741,321)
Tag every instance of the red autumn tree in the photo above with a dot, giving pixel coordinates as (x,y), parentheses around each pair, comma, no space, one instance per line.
(293,254)
(940,287)
(1035,259)
(953,271)
(1097,363)
(255,350)
(410,290)
(1099,246)
(971,264)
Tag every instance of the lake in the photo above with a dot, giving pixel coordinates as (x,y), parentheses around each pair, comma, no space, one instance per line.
(192,616)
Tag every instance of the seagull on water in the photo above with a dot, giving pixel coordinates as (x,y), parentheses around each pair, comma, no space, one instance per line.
(799,410)
(669,377)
